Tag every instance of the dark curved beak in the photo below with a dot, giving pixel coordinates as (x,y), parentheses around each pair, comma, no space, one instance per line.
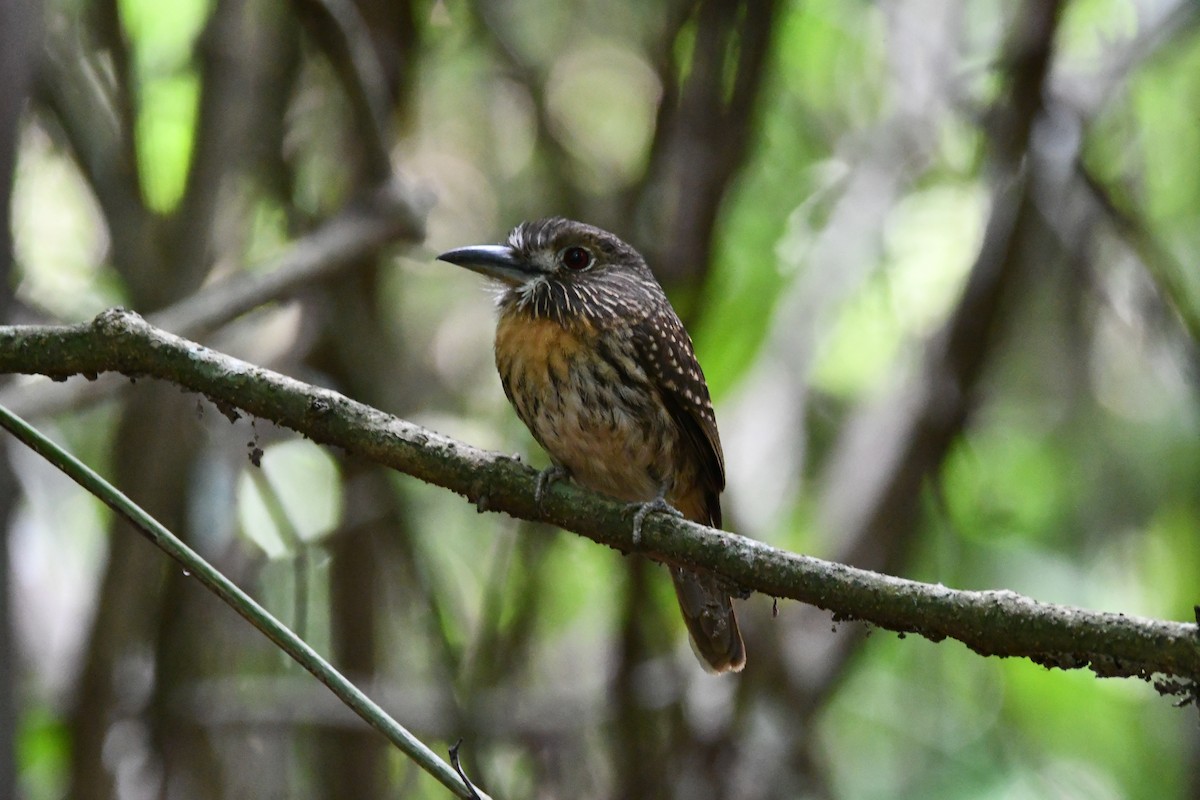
(493,260)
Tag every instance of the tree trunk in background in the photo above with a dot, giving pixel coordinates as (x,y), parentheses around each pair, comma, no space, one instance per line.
(358,354)
(153,450)
(356,756)
(356,348)
(20,33)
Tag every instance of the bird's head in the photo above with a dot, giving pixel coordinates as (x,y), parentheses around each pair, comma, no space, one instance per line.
(559,268)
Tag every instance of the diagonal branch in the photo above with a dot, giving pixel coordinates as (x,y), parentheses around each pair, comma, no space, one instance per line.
(194,565)
(894,445)
(338,28)
(106,27)
(393,213)
(67,89)
(1160,263)
(999,623)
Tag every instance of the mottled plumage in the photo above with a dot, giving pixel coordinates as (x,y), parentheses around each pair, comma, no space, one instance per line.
(597,364)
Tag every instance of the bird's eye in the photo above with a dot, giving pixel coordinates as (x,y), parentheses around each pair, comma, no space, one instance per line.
(576,258)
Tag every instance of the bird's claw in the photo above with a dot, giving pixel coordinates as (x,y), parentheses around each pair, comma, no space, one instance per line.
(546,479)
(658,504)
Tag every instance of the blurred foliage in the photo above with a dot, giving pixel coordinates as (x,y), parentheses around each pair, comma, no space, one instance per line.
(162,35)
(841,245)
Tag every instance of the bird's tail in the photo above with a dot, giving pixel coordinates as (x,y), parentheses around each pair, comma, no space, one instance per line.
(712,627)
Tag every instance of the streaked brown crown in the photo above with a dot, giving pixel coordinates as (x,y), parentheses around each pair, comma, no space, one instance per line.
(612,282)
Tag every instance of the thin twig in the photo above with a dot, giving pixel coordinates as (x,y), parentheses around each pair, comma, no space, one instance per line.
(1164,269)
(195,566)
(458,768)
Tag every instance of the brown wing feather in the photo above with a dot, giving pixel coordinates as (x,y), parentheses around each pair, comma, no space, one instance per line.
(667,355)
(666,352)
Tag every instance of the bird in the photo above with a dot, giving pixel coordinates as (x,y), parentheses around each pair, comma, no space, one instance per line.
(598,365)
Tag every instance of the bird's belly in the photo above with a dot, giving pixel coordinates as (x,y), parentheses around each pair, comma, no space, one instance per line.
(598,417)
(606,452)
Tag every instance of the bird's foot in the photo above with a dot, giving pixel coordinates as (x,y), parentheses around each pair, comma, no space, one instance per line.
(658,504)
(546,479)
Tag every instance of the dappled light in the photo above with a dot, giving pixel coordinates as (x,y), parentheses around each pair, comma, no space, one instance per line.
(938,264)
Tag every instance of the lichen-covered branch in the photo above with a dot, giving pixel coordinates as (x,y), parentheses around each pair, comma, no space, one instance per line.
(992,623)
